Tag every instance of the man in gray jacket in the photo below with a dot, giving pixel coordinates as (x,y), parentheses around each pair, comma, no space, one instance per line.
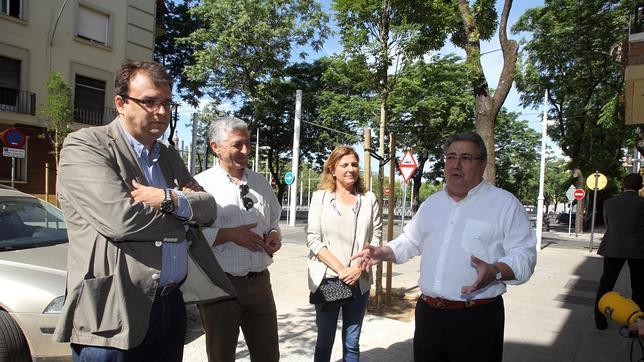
(133,212)
(623,241)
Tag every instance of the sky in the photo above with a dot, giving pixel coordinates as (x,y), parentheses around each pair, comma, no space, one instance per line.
(492,64)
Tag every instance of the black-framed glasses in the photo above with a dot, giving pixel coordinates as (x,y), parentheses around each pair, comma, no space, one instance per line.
(465,158)
(152,104)
(248,202)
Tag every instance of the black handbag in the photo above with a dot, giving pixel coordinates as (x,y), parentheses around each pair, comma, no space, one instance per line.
(332,291)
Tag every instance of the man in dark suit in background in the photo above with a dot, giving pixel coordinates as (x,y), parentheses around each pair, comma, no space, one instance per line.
(623,241)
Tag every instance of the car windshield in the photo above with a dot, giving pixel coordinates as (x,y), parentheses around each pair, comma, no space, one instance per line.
(29,222)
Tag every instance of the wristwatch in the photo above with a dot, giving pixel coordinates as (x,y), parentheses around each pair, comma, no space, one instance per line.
(498,275)
(167,205)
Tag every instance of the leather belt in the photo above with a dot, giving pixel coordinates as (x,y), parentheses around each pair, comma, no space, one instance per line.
(441,303)
(162,291)
(250,275)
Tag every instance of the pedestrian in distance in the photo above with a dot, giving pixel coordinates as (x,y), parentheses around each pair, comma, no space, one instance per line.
(244,238)
(133,215)
(623,242)
(473,239)
(343,219)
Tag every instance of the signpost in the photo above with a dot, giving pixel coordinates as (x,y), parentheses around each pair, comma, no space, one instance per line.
(407,165)
(595,182)
(14,139)
(289,178)
(570,195)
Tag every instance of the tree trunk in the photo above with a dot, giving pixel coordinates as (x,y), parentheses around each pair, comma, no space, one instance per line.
(487,106)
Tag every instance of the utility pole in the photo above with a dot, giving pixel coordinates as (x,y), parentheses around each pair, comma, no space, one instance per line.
(296,155)
(542,171)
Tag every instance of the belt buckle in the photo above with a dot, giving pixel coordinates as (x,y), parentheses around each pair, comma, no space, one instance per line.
(439,303)
(167,289)
(469,303)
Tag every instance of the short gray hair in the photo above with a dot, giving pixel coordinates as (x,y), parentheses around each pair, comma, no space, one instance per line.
(219,129)
(467,136)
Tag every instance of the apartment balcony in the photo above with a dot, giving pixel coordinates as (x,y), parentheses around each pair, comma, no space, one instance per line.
(16,100)
(93,117)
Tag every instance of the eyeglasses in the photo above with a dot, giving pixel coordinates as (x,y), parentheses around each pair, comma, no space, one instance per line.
(248,202)
(152,104)
(465,158)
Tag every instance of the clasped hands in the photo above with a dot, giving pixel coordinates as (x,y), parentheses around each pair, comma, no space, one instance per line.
(485,272)
(243,235)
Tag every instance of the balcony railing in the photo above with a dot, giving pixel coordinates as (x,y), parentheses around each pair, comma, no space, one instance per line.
(16,100)
(94,118)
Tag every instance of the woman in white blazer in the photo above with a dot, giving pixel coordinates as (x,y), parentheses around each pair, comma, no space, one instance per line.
(343,218)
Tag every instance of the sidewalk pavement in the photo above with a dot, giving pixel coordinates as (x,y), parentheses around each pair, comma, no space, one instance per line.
(550,318)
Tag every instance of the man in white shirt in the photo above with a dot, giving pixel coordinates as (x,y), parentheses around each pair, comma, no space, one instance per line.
(243,238)
(474,239)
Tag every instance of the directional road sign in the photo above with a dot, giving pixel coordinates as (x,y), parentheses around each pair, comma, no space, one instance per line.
(579,194)
(569,192)
(289,178)
(407,165)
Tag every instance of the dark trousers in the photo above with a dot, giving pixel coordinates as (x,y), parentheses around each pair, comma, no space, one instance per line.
(163,342)
(253,311)
(471,334)
(612,267)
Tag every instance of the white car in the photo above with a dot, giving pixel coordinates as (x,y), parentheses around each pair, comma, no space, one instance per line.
(33,261)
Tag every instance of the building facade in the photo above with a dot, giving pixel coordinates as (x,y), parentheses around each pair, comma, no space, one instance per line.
(84,41)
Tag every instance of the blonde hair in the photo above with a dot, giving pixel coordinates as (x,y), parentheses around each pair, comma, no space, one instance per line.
(327,181)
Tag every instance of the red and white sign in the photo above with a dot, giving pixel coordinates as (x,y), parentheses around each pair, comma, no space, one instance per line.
(579,194)
(387,190)
(407,165)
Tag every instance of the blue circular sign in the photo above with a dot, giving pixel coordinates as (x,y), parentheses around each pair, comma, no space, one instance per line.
(14,138)
(289,178)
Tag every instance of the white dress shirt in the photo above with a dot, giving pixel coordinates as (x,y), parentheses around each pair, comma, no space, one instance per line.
(234,259)
(489,223)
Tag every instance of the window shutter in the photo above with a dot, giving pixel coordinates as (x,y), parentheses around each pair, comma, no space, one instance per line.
(92,25)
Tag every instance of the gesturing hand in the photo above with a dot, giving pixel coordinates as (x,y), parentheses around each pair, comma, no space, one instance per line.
(273,241)
(367,257)
(243,235)
(148,195)
(485,274)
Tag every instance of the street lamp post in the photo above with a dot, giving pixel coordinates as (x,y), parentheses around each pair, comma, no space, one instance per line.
(542,171)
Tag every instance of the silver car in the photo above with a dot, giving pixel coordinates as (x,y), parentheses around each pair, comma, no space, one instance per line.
(33,260)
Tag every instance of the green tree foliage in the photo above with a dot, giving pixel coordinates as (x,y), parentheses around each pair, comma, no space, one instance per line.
(558,179)
(517,150)
(581,66)
(57,112)
(241,45)
(582,71)
(432,101)
(174,54)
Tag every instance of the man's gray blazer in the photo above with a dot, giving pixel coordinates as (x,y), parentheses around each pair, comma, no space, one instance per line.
(114,259)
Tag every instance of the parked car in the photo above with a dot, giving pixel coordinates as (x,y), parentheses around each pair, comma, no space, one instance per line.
(33,260)
(532,217)
(563,218)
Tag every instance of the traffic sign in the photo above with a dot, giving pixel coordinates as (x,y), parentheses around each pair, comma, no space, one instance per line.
(13,137)
(407,165)
(13,152)
(387,190)
(569,192)
(596,180)
(579,194)
(289,178)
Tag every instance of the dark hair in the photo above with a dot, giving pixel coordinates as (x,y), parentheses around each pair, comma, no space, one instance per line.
(632,181)
(327,181)
(467,136)
(130,68)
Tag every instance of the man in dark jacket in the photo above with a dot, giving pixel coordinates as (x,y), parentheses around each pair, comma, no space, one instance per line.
(623,241)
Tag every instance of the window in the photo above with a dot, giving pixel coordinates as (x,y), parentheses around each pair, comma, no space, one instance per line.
(11,8)
(89,100)
(9,83)
(93,25)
